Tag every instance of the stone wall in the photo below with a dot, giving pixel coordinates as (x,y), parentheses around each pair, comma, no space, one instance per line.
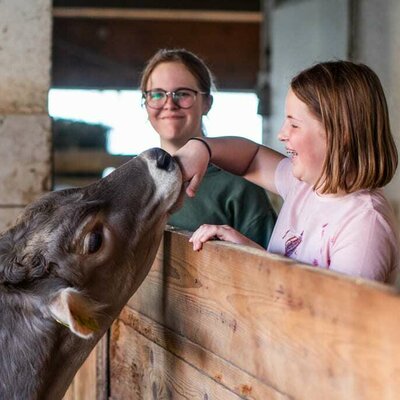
(25,139)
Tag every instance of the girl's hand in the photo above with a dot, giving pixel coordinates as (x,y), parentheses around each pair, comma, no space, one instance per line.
(193,159)
(222,232)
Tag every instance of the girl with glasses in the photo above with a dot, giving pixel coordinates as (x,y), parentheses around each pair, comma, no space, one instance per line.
(176,91)
(341,154)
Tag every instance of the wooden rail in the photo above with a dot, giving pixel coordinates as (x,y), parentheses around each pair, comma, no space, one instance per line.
(230,322)
(158,14)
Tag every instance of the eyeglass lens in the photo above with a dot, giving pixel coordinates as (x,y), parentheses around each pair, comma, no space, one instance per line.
(183,98)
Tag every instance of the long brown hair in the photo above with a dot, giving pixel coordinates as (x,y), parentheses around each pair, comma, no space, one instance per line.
(349,101)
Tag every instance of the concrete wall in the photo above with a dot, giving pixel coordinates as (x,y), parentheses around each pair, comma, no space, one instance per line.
(25,146)
(378,45)
(303,32)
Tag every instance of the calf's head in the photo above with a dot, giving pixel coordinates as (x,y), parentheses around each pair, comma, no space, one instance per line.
(76,256)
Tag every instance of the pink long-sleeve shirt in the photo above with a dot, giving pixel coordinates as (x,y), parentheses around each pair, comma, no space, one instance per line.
(355,234)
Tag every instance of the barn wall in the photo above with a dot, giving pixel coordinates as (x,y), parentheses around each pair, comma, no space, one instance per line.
(301,33)
(25,35)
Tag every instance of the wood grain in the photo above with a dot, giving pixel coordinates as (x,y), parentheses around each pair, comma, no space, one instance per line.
(91,382)
(211,366)
(307,333)
(158,14)
(140,369)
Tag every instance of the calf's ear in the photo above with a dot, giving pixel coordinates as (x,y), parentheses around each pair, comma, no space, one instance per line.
(72,309)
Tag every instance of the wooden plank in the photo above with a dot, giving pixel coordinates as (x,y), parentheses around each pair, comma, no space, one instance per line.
(237,5)
(158,14)
(83,387)
(212,367)
(140,369)
(306,332)
(91,382)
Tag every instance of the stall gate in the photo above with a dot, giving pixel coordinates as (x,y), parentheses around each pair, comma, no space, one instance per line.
(231,322)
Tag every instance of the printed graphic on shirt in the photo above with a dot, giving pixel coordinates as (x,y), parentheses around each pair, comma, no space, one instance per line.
(292,242)
(315,263)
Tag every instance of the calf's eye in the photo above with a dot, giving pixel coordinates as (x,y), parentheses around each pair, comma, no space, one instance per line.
(93,242)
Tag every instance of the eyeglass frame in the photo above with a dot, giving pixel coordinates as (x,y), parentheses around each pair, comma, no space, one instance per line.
(171,93)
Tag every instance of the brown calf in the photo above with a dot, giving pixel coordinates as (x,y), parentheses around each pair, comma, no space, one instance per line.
(70,264)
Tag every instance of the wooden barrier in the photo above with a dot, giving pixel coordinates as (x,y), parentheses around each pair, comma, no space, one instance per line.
(91,382)
(230,322)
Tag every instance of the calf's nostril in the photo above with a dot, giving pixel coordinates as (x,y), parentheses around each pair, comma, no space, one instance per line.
(164,160)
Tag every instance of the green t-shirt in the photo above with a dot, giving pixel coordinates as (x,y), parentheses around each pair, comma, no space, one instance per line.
(227,199)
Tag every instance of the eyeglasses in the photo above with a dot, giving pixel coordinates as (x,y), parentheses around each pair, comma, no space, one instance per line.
(182,98)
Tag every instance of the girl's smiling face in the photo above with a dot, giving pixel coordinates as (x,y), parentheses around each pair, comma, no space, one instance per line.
(304,138)
(176,125)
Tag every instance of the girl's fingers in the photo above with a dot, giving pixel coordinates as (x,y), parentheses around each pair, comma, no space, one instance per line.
(193,185)
(205,233)
(222,232)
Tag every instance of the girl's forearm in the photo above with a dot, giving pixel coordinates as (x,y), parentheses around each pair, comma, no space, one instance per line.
(237,155)
(233,154)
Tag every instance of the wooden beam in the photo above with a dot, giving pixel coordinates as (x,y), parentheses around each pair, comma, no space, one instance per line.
(159,14)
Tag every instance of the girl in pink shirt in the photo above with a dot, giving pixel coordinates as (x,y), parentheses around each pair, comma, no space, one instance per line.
(340,154)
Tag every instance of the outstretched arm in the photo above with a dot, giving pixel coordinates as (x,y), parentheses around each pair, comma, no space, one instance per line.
(239,156)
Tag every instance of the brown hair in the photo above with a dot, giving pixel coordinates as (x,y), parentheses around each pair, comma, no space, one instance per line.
(349,101)
(193,63)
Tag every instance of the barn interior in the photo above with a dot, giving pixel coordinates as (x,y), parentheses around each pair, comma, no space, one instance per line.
(251,47)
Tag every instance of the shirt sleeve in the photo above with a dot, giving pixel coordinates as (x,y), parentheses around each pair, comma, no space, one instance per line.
(365,248)
(284,177)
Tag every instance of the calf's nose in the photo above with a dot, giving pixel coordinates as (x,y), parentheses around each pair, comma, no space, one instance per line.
(163,159)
